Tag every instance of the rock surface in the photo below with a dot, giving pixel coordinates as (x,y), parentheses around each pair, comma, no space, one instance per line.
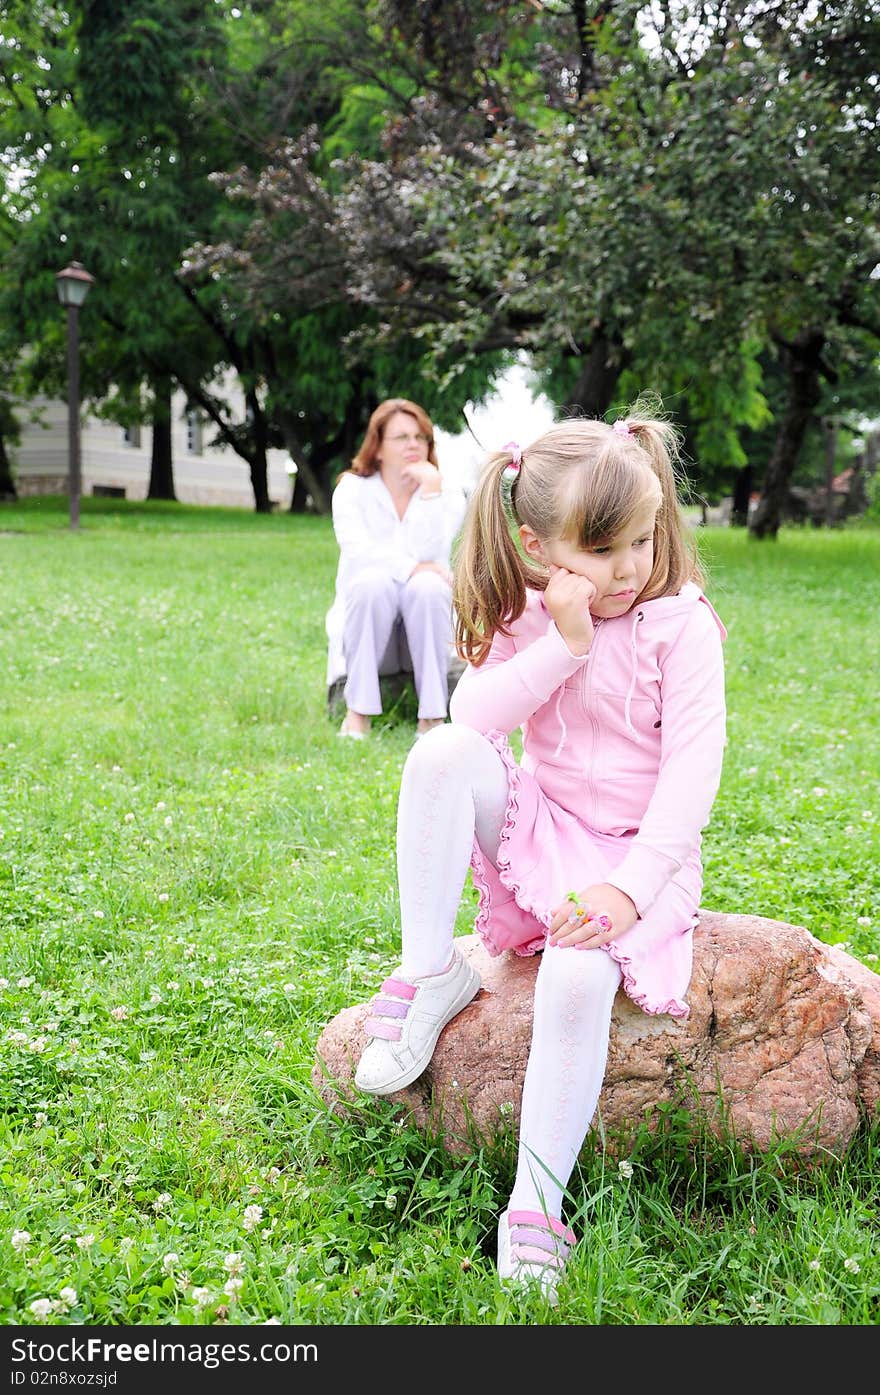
(783,1041)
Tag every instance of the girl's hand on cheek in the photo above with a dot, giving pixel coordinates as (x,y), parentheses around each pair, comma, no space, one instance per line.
(592,917)
(568,598)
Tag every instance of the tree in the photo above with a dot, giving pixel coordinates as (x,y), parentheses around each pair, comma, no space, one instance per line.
(630,208)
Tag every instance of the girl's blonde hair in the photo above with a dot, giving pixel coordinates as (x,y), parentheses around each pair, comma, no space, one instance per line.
(582,482)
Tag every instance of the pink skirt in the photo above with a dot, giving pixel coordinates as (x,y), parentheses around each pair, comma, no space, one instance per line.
(544,853)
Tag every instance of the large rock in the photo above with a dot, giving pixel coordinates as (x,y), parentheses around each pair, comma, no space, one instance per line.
(783,1041)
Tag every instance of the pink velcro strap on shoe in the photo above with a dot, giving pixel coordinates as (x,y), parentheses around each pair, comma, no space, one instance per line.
(528,1237)
(542,1222)
(531,1254)
(389,1007)
(399,988)
(375,1027)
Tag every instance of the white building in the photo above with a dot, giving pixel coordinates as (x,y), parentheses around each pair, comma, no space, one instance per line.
(115,459)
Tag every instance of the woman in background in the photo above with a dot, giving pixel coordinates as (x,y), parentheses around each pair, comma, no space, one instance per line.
(395,519)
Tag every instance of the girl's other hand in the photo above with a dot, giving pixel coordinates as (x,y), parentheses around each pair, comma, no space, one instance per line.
(600,901)
(568,598)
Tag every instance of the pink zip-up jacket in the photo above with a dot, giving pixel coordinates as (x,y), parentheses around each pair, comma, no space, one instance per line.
(629,737)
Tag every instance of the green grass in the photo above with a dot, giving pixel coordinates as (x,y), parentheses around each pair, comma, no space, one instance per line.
(196,875)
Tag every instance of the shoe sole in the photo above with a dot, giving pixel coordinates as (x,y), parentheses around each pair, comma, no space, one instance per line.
(400,1082)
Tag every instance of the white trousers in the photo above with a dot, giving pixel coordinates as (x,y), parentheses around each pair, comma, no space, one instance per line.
(374,604)
(454,788)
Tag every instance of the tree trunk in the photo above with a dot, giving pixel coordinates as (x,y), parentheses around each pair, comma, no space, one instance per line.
(803,361)
(257,457)
(8,491)
(307,481)
(829,426)
(161,455)
(593,392)
(742,493)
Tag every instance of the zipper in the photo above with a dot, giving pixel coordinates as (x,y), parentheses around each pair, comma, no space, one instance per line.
(593,724)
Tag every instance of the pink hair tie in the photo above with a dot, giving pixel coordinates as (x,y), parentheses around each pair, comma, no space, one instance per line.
(622,428)
(516,459)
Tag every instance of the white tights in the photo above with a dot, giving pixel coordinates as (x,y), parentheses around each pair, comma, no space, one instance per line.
(454,788)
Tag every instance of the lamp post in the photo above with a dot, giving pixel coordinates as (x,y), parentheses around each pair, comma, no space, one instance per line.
(73,284)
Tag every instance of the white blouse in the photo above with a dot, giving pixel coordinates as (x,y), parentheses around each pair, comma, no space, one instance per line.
(370,534)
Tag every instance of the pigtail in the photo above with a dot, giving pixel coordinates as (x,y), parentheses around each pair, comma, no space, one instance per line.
(490,575)
(675,552)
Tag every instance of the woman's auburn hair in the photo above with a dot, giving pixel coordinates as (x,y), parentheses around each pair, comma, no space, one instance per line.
(365,462)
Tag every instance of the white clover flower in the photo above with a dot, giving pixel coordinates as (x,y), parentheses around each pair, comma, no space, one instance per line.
(864,920)
(99,915)
(119,1014)
(162,897)
(272,1175)
(161,804)
(172,985)
(201,1297)
(233,1287)
(20,1239)
(38,1045)
(819,791)
(68,1297)
(625,1167)
(169,1261)
(129,818)
(271,1322)
(391,1201)
(252,1217)
(25,981)
(126,1245)
(161,1201)
(4,983)
(40,1118)
(813,1265)
(851,1265)
(168,821)
(234,1263)
(41,1308)
(85,1242)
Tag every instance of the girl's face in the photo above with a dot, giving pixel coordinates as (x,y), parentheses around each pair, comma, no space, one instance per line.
(618,567)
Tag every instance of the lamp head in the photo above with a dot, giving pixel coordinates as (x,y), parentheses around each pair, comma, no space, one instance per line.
(73,284)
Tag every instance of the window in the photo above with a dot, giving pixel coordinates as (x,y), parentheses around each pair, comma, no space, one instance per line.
(193,431)
(131,435)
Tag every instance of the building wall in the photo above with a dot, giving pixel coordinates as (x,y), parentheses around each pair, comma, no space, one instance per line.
(202,474)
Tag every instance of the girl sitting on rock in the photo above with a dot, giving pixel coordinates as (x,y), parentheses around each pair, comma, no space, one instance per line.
(593,636)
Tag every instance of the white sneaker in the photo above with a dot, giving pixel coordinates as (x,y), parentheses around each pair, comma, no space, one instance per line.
(532,1249)
(406,1018)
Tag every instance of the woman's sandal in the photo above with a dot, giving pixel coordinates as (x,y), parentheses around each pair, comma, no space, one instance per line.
(533,1248)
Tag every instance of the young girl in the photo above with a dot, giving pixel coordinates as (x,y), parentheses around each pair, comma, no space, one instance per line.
(594,636)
